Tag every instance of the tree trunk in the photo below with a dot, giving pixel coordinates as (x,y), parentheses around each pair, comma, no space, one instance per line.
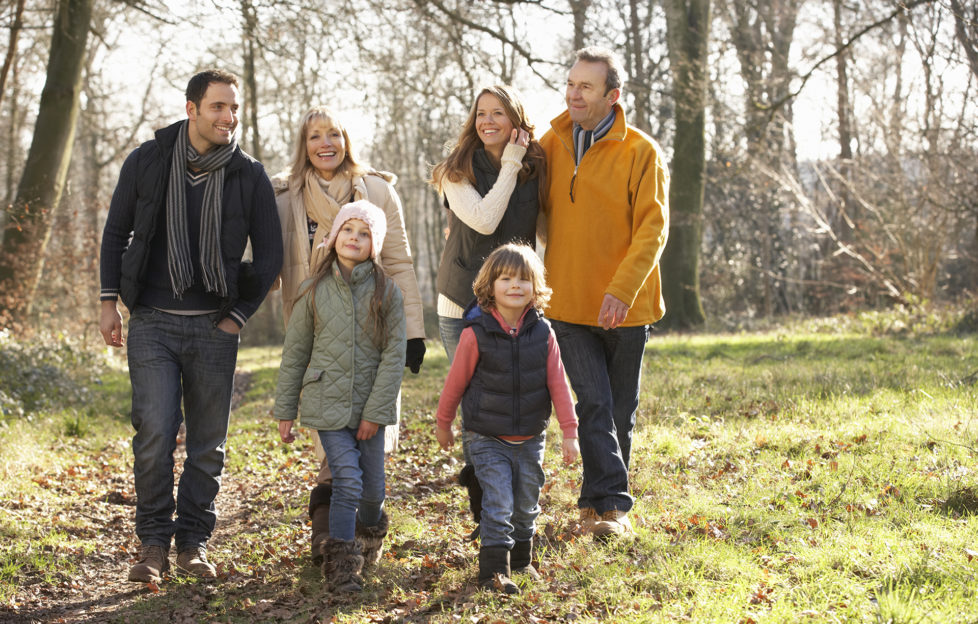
(762,32)
(688,23)
(251,82)
(15,27)
(39,192)
(846,220)
(579,10)
(636,68)
(966,32)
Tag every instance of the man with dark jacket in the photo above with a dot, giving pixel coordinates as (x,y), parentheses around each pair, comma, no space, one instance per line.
(184,209)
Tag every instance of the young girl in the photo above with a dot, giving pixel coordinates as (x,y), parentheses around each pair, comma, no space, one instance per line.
(506,373)
(344,353)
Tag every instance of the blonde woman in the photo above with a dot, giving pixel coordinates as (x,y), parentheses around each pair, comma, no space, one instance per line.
(325,174)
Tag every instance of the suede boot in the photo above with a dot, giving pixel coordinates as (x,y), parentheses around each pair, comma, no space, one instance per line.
(371,539)
(342,564)
(521,559)
(194,561)
(153,562)
(319,500)
(467,479)
(494,570)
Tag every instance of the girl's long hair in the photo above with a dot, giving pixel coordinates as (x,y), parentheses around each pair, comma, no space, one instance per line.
(375,315)
(458,165)
(300,157)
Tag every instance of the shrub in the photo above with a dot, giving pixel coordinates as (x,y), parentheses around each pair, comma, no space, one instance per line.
(46,372)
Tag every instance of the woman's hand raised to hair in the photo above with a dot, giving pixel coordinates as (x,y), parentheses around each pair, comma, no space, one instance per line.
(520,137)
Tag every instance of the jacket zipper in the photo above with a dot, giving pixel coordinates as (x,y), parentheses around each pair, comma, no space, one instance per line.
(515,350)
(574,156)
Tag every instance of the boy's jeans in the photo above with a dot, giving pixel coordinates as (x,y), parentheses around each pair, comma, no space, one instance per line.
(358,480)
(511,476)
(174,358)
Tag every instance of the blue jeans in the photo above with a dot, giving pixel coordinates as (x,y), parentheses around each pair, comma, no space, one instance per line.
(605,371)
(450,330)
(174,359)
(358,480)
(511,476)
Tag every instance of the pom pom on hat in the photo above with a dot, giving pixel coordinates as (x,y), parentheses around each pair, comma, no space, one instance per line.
(370,214)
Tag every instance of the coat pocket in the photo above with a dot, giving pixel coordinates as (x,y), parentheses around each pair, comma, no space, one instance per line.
(312,375)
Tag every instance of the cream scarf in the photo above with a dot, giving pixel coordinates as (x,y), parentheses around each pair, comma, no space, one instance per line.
(322,205)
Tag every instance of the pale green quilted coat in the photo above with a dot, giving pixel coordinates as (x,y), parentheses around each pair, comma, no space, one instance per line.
(333,363)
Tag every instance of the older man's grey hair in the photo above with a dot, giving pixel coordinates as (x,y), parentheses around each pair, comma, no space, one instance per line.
(616,71)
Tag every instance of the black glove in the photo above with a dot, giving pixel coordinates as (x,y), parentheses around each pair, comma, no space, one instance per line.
(415,354)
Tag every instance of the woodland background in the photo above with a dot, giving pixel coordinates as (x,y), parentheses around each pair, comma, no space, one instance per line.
(870,199)
(807,455)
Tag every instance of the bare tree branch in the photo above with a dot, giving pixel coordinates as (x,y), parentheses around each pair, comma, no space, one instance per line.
(780,102)
(143,7)
(527,55)
(966,31)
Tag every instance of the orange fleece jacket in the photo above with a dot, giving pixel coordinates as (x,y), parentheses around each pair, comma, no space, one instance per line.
(610,236)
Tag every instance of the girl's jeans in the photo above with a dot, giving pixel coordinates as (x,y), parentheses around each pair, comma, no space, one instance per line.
(358,480)
(511,476)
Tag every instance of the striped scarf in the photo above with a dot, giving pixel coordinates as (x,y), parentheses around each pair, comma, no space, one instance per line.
(583,139)
(178,241)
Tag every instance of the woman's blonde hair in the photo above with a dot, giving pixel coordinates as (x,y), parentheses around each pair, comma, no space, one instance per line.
(512,259)
(458,165)
(300,157)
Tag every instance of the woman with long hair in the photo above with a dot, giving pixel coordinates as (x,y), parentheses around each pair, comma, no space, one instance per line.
(492,182)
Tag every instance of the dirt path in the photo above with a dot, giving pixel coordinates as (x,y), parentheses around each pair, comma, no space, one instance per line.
(98,590)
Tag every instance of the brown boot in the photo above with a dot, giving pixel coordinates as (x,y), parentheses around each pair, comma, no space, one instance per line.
(587,519)
(194,561)
(319,500)
(153,561)
(342,564)
(371,539)
(613,523)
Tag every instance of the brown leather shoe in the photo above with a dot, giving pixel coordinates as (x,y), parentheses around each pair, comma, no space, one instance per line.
(153,561)
(613,523)
(587,519)
(194,561)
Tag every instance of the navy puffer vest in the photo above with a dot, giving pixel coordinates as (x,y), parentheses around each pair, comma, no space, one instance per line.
(508,393)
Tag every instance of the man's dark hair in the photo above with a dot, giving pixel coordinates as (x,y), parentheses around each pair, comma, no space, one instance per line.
(197,86)
(616,73)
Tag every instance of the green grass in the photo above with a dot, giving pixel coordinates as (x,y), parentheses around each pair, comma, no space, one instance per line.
(824,471)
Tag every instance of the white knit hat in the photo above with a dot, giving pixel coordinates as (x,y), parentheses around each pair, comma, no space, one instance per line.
(370,214)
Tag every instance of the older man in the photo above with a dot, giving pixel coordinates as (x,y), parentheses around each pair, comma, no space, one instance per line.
(607,221)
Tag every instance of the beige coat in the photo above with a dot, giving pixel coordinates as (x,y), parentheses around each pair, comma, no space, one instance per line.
(378,188)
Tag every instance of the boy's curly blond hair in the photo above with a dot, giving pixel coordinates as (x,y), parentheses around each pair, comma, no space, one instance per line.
(512,259)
